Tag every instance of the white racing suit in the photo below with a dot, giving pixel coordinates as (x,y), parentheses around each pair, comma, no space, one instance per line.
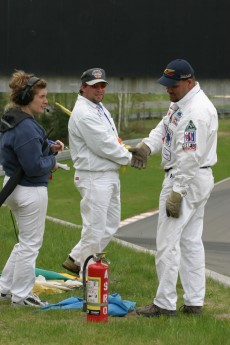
(97,156)
(187,136)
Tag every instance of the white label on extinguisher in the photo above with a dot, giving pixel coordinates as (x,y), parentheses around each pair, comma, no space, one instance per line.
(93,291)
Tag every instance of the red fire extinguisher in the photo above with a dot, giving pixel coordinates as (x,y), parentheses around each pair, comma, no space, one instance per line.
(95,301)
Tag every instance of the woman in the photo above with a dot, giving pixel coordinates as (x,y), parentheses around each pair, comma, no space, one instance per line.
(23,143)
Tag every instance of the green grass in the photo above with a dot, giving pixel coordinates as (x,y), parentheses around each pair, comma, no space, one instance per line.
(133,274)
(134,278)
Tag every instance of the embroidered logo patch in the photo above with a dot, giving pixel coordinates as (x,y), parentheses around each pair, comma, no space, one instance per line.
(166,154)
(168,137)
(190,137)
(97,73)
(169,72)
(175,118)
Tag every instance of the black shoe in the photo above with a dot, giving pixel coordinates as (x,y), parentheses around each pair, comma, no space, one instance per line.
(5,297)
(191,309)
(153,310)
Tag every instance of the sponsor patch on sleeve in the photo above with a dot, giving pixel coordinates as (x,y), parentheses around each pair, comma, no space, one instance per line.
(190,137)
(166,154)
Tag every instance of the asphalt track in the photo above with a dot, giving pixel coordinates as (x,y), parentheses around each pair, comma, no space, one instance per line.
(216,235)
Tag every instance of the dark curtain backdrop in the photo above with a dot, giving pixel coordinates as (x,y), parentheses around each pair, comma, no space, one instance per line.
(127,38)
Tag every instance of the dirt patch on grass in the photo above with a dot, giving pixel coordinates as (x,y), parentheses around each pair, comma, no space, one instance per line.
(223,134)
(223,316)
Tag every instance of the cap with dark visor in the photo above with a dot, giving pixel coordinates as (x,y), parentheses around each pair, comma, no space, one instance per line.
(175,71)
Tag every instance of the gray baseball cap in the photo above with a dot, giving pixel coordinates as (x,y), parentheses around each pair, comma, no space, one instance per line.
(93,76)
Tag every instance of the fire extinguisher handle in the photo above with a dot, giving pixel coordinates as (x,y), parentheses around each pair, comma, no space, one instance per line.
(101,257)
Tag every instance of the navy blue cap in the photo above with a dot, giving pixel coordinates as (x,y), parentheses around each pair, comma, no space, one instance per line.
(175,71)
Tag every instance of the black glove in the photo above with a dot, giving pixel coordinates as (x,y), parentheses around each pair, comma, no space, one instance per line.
(173,204)
(140,155)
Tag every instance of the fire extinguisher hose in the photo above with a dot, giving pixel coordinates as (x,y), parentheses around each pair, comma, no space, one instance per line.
(84,283)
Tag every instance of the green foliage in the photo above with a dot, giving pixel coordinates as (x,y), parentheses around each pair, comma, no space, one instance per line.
(57,120)
(3,102)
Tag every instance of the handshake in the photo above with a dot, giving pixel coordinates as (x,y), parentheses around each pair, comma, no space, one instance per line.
(140,155)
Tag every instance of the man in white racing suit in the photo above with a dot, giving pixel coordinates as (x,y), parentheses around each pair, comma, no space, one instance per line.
(97,155)
(187,137)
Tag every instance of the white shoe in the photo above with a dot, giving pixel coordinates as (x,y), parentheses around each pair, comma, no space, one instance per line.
(32,301)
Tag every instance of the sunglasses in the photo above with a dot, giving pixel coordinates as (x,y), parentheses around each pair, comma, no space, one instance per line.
(98,86)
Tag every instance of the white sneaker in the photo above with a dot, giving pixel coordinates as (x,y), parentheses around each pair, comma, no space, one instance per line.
(5,297)
(32,301)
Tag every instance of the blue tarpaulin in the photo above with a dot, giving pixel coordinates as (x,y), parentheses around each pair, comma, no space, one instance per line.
(116,306)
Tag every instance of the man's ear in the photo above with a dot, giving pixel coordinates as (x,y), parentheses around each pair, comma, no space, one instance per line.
(82,87)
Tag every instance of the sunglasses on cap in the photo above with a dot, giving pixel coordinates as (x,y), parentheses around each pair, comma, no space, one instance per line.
(98,86)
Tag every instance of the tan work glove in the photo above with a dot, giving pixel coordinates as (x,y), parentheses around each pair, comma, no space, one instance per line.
(140,155)
(173,204)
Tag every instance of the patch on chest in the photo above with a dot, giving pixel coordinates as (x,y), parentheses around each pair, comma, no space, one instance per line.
(176,118)
(190,137)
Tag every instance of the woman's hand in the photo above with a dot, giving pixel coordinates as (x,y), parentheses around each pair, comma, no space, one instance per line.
(57,146)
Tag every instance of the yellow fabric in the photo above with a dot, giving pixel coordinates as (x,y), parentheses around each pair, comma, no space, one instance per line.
(41,285)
